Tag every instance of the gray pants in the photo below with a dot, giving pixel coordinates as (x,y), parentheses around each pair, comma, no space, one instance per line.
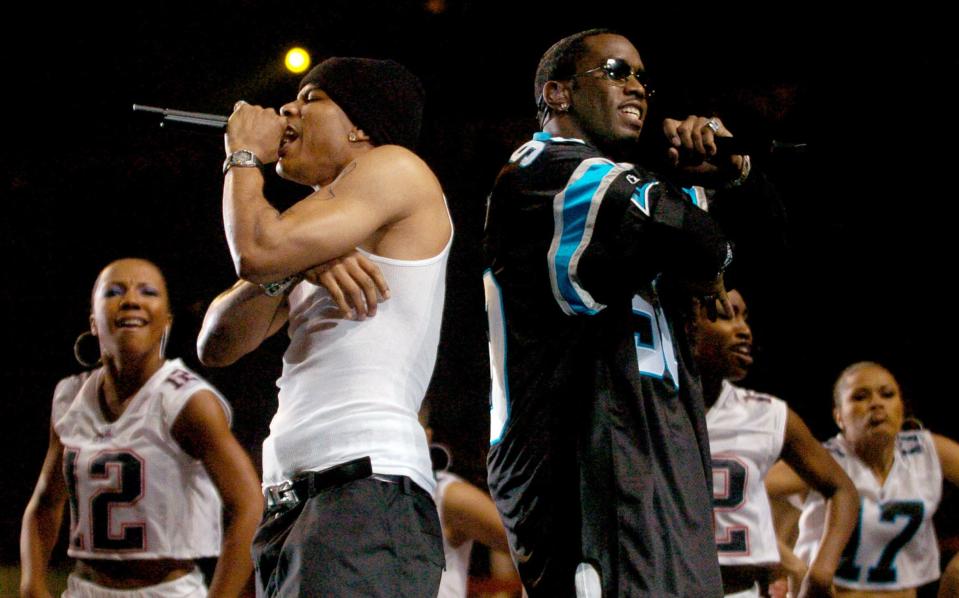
(366,538)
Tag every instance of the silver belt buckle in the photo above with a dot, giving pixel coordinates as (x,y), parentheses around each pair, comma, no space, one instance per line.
(281,495)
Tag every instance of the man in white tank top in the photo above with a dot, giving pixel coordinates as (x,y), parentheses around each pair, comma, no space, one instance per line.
(346,465)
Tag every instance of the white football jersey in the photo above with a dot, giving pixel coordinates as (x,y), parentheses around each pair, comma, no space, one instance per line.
(894,545)
(133,492)
(456,575)
(746,434)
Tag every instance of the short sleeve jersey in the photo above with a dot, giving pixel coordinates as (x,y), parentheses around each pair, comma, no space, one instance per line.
(598,447)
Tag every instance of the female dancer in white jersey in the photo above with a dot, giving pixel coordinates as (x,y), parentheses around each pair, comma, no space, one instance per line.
(748,432)
(142,452)
(899,475)
(467,514)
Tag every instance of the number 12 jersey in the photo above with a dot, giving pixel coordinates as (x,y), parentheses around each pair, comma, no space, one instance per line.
(133,492)
(746,434)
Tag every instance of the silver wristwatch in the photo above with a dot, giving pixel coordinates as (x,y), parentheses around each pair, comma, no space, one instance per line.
(241,157)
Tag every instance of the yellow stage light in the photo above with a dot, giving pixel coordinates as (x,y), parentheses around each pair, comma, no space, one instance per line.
(297,60)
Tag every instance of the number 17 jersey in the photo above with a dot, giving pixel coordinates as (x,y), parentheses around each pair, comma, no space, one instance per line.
(894,544)
(133,492)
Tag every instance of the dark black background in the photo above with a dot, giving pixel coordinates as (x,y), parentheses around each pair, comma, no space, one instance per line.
(867,274)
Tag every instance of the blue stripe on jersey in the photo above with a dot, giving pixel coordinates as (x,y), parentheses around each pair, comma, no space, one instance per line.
(499,404)
(544,136)
(640,197)
(697,196)
(577,200)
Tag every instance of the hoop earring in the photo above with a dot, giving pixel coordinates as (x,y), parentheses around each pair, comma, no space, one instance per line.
(163,341)
(912,423)
(441,456)
(78,351)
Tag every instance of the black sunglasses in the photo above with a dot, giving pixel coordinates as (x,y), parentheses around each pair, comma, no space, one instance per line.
(618,72)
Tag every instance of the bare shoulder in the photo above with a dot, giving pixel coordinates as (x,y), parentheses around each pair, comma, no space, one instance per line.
(206,410)
(392,177)
(396,156)
(948,451)
(942,441)
(402,170)
(201,423)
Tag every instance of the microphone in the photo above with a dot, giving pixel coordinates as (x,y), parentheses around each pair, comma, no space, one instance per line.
(194,121)
(737,146)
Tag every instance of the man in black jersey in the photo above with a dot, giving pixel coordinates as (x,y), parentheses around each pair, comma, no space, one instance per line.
(599,459)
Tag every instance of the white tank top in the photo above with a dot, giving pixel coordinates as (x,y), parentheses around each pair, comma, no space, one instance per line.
(894,545)
(746,435)
(134,493)
(352,389)
(456,575)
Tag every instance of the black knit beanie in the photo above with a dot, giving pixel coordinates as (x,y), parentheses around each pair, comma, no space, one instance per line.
(379,96)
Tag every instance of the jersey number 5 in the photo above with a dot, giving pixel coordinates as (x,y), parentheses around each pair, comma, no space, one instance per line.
(655,354)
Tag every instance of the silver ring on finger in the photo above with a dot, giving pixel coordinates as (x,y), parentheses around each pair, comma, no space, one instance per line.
(713,125)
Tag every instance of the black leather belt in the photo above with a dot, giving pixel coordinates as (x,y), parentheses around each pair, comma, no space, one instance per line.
(311,483)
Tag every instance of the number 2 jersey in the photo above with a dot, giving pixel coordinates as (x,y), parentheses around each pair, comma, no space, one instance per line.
(599,459)
(894,544)
(133,492)
(746,434)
